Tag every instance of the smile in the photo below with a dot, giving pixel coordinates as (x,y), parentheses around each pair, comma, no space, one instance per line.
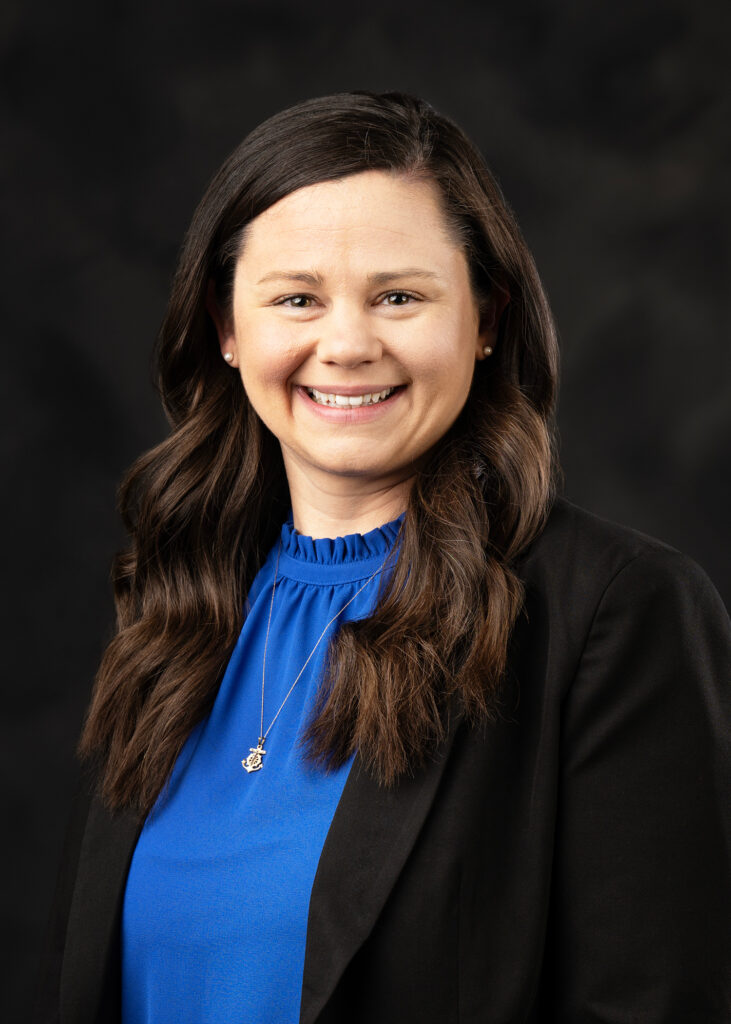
(350,400)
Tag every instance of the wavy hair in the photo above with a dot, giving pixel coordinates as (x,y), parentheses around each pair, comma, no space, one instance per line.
(204,507)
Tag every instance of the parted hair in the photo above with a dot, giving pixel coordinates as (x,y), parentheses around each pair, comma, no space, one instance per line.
(204,507)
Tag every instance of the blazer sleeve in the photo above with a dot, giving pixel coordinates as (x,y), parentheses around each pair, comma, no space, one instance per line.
(46,1003)
(641,924)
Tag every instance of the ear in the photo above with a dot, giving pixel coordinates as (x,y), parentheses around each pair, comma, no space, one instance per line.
(490,314)
(224,326)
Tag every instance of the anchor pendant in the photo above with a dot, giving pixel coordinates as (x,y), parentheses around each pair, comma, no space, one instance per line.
(254,762)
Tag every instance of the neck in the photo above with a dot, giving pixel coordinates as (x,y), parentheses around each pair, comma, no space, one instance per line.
(335,510)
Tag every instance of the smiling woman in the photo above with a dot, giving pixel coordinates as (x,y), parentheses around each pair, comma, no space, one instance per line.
(389,730)
(307,360)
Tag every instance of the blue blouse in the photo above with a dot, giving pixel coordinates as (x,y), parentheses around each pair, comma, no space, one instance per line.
(215,910)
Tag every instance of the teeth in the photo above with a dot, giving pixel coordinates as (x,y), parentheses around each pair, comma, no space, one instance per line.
(350,400)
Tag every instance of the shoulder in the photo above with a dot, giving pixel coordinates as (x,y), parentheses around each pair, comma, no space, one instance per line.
(580,564)
(583,553)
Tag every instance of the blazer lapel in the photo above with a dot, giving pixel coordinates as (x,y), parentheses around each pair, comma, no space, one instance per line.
(90,973)
(372,832)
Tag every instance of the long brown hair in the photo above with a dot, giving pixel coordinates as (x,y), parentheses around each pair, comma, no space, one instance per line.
(204,507)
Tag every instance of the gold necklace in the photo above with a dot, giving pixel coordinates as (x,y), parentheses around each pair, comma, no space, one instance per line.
(255,761)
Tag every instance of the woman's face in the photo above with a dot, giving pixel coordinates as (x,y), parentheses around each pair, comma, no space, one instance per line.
(351,288)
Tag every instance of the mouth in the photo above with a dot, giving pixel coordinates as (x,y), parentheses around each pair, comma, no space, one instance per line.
(341,401)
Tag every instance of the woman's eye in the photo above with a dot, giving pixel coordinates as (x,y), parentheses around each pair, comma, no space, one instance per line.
(399,298)
(296,301)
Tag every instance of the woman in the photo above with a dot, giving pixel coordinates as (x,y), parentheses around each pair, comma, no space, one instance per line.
(388,731)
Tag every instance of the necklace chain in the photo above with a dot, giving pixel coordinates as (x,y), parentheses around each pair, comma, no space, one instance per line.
(254,762)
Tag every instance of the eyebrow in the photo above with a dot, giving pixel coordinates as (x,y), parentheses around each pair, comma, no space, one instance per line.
(315,279)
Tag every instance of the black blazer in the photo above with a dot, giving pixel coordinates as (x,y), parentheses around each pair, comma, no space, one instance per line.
(568,863)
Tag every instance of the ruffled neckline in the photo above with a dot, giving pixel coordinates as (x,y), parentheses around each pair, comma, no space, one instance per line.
(335,559)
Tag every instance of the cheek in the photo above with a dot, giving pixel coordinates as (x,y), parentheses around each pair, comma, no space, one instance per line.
(447,362)
(267,357)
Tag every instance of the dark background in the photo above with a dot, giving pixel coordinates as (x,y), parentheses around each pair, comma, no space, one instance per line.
(608,127)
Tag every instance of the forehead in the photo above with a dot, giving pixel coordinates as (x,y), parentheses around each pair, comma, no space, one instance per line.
(370,214)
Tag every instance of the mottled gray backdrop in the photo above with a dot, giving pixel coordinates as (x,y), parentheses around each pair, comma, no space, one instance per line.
(608,127)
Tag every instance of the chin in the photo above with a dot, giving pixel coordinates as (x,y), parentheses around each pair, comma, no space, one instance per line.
(353,466)
(354,469)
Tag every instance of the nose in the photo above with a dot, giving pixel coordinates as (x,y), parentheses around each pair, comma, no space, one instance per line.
(347,337)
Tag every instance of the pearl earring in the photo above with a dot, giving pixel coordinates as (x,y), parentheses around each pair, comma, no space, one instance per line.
(228,356)
(487,351)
